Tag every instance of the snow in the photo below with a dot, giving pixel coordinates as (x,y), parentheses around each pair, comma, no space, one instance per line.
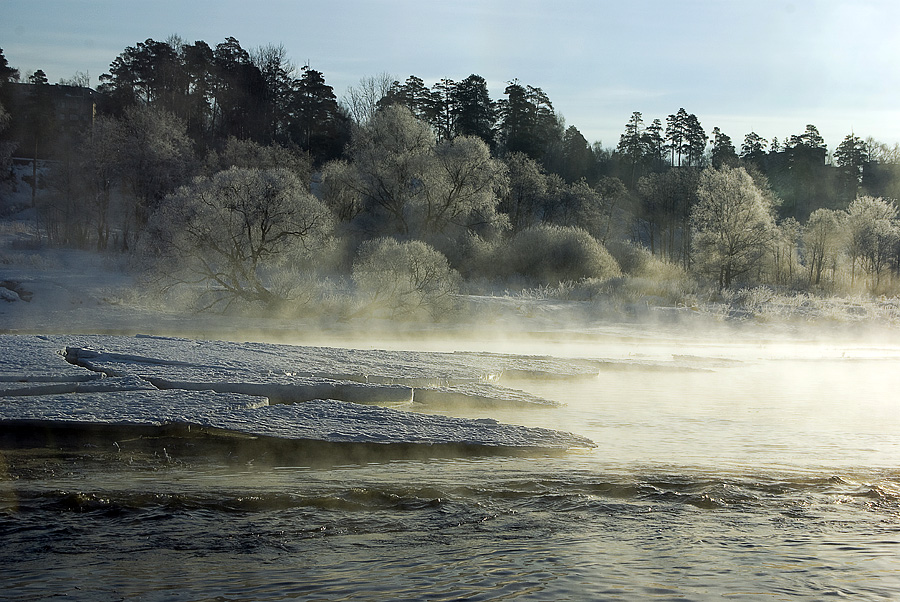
(155,381)
(37,359)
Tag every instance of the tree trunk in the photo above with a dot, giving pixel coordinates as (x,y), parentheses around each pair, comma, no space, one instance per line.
(34,175)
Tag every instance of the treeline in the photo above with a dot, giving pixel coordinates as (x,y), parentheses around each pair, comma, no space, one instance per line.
(237,176)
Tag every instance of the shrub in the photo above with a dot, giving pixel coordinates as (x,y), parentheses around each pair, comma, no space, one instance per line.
(551,254)
(408,279)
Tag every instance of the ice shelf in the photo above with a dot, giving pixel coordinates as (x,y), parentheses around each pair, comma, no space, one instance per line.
(279,392)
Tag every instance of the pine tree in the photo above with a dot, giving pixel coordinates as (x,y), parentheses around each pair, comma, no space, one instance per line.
(723,152)
(694,140)
(851,156)
(654,144)
(631,145)
(676,135)
(754,147)
(475,114)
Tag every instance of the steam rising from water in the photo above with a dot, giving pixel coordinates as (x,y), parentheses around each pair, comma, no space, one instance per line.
(771,403)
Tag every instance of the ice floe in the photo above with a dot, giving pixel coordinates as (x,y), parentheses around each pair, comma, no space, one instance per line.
(330,395)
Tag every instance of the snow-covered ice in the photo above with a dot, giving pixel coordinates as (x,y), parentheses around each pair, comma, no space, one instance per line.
(318,394)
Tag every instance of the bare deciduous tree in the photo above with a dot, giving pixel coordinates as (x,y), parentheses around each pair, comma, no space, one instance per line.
(361,101)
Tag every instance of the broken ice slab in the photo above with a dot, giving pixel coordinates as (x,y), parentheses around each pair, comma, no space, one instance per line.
(150,386)
(289,374)
(95,385)
(290,390)
(324,421)
(412,368)
(477,395)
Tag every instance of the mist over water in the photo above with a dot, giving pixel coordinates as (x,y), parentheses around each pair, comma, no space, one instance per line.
(752,470)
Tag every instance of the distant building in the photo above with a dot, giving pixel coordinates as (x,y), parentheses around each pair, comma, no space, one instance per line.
(75,107)
(72,110)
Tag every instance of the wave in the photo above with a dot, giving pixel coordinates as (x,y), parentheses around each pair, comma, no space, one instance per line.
(541,495)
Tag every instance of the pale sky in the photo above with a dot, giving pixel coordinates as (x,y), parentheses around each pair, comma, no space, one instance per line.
(769,66)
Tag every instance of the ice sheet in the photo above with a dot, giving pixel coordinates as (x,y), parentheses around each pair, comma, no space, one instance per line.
(152,381)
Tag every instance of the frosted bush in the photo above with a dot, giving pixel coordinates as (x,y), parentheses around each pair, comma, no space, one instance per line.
(404,279)
(552,254)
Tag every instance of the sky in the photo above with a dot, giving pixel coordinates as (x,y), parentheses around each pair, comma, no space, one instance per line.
(768,66)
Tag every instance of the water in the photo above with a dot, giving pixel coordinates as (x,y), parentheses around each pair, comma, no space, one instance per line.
(766,472)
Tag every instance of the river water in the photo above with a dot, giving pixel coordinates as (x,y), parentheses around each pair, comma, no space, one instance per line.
(769,470)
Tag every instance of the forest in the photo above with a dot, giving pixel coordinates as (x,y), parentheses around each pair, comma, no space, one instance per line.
(233,179)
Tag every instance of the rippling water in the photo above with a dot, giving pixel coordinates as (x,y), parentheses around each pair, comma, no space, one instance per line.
(762,472)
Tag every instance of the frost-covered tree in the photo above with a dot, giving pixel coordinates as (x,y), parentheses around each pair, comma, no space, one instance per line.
(732,225)
(241,234)
(390,155)
(577,200)
(342,190)
(823,238)
(528,189)
(461,187)
(872,235)
(400,181)
(784,252)
(156,157)
(252,155)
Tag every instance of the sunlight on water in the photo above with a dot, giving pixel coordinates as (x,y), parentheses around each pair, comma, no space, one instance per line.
(781,412)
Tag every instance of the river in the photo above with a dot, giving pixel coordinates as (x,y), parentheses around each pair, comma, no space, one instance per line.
(769,470)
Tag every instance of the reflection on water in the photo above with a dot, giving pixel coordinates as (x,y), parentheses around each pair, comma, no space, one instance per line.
(750,472)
